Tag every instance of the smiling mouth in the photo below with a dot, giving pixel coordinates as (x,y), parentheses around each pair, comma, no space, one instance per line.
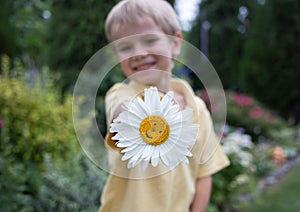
(144,67)
(148,136)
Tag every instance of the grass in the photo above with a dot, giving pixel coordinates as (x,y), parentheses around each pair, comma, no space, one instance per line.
(284,196)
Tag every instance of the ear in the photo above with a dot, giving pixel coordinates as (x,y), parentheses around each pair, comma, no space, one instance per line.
(177,44)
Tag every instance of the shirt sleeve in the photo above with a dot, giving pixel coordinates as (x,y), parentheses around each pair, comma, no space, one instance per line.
(212,158)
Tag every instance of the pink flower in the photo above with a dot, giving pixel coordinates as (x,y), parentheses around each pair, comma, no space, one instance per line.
(242,100)
(1,123)
(256,112)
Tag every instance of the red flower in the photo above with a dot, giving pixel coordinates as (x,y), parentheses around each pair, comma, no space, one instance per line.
(256,112)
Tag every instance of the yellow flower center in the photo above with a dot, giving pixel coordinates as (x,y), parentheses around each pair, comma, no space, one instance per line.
(154,130)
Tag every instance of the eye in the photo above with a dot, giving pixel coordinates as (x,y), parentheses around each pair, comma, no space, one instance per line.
(150,41)
(125,48)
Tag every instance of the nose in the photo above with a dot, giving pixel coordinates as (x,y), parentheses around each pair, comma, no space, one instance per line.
(139,52)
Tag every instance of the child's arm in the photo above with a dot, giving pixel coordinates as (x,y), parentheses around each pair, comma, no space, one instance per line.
(202,194)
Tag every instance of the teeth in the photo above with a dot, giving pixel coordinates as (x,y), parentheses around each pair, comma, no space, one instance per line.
(144,67)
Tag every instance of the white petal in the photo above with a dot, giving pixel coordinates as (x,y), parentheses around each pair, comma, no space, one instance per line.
(155,157)
(139,108)
(133,163)
(180,117)
(122,127)
(130,148)
(126,143)
(165,160)
(129,119)
(139,152)
(164,148)
(187,113)
(165,152)
(166,101)
(183,151)
(144,165)
(127,136)
(152,99)
(130,154)
(148,152)
(154,161)
(135,153)
(171,160)
(171,111)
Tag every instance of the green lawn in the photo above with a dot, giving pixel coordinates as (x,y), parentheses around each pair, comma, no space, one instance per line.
(284,196)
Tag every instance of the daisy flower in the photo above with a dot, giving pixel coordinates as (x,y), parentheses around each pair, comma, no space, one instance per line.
(153,130)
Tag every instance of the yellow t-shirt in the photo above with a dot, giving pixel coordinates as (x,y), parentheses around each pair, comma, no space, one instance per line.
(158,189)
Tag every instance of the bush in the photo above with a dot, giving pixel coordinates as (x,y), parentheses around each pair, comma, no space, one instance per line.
(41,165)
(239,178)
(262,124)
(246,112)
(34,121)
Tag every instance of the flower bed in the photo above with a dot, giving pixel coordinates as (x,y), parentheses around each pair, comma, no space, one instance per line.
(257,142)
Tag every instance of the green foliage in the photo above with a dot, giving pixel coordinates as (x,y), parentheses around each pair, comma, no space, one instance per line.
(282,197)
(75,33)
(7,29)
(76,186)
(239,178)
(34,120)
(225,39)
(246,112)
(270,68)
(41,166)
(256,54)
(250,154)
(19,183)
(22,29)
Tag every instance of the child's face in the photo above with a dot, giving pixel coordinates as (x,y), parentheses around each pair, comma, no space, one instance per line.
(145,48)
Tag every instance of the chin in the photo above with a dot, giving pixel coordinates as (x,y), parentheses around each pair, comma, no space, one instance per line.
(146,80)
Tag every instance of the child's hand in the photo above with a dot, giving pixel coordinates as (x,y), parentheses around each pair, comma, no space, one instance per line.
(180,100)
(122,107)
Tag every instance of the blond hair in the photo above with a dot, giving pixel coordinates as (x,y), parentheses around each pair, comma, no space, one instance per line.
(136,11)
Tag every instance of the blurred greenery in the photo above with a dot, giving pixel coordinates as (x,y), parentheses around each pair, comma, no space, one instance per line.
(253,46)
(281,197)
(34,119)
(41,165)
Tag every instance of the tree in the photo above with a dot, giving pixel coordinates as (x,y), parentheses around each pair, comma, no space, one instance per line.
(270,66)
(23,24)
(76,32)
(7,30)
(228,30)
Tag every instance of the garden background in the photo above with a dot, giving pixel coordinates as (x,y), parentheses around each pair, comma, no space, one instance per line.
(253,45)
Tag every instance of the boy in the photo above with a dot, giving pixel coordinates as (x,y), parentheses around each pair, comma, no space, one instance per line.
(141,31)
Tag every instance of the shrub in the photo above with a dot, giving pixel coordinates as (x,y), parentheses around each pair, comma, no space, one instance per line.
(239,178)
(245,112)
(34,121)
(41,165)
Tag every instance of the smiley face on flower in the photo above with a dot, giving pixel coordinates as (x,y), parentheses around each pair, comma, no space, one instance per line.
(154,130)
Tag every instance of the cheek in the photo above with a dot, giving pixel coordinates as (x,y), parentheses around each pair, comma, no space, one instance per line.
(165,62)
(125,66)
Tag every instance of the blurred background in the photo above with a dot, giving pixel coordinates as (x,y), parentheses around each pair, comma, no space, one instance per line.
(254,47)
